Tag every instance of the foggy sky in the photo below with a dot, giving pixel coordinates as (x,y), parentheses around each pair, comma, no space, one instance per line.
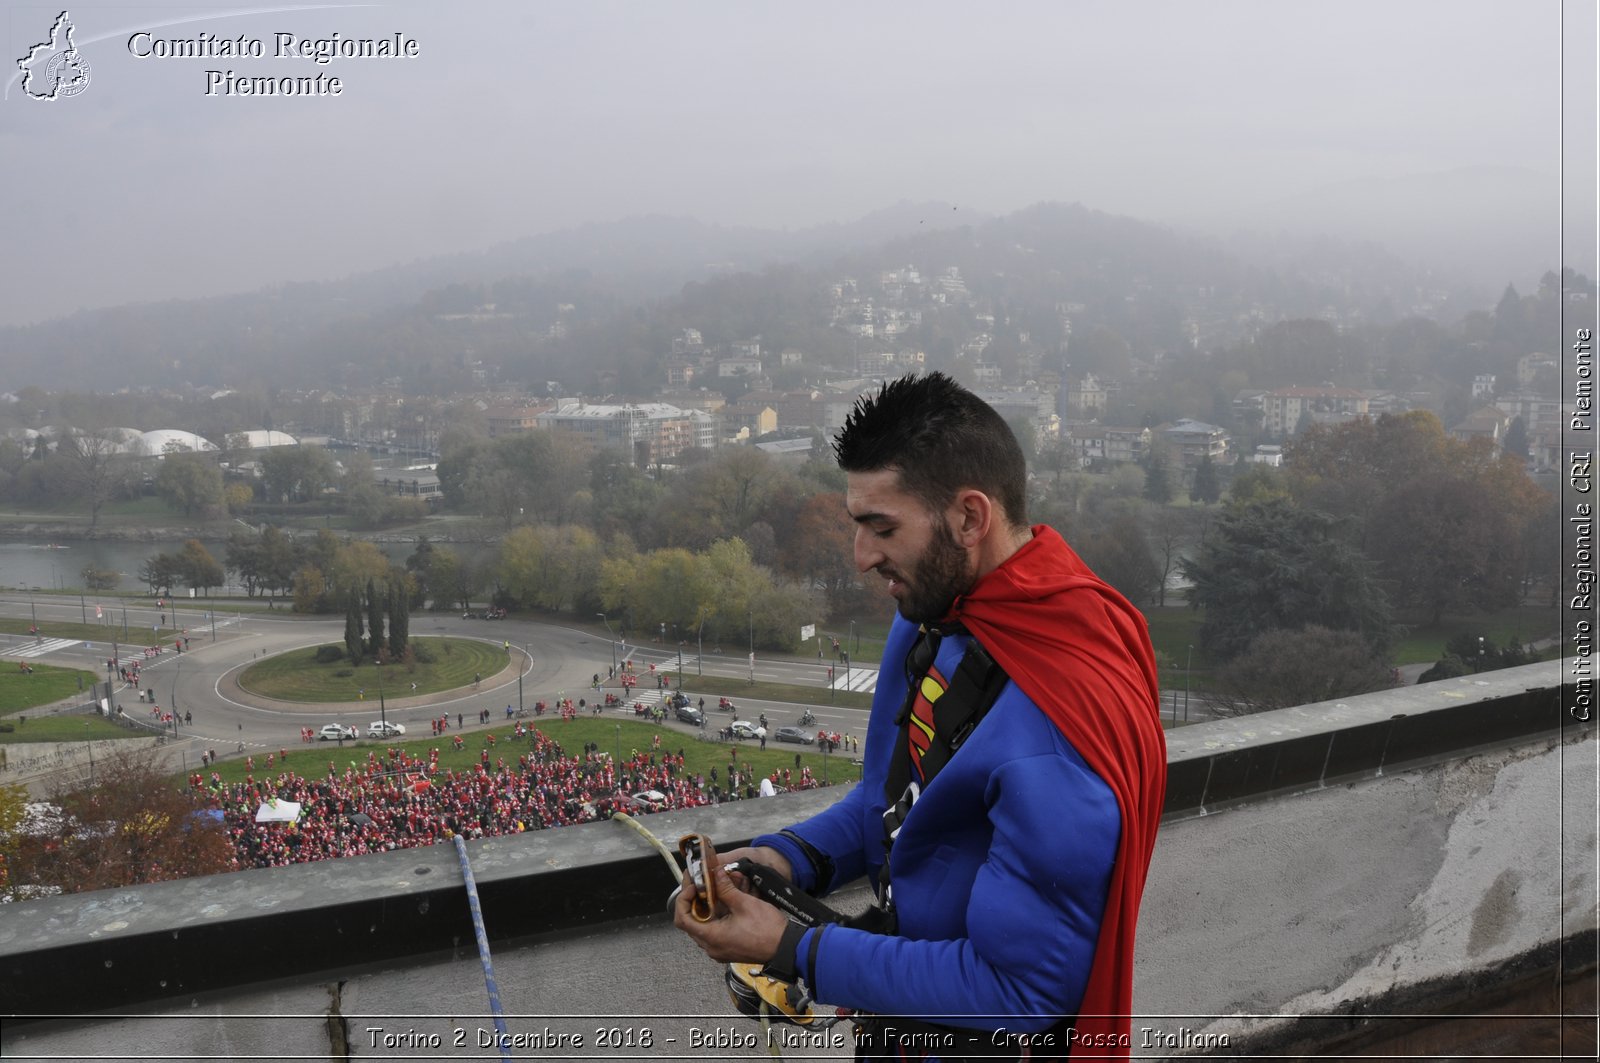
(519,118)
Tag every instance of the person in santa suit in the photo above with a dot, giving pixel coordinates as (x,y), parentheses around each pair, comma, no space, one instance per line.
(1016,849)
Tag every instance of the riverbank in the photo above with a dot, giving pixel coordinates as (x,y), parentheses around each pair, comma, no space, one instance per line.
(44,531)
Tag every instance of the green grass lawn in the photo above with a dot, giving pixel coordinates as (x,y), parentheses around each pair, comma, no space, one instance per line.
(613,736)
(299,676)
(1424,643)
(98,632)
(47,685)
(1173,630)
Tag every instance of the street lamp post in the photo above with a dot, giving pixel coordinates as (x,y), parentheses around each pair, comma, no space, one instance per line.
(383,717)
(700,638)
(1186,662)
(752,646)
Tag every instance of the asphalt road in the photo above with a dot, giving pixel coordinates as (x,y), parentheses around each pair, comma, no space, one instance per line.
(550,660)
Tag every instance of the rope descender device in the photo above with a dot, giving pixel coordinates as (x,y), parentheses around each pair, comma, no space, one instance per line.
(693,849)
(754,991)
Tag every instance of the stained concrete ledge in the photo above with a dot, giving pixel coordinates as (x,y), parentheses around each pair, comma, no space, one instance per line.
(1213,765)
(1439,872)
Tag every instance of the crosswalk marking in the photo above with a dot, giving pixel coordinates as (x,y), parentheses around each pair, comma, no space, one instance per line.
(39,649)
(861,680)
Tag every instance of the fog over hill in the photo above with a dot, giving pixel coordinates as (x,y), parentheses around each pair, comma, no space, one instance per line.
(618,289)
(525,139)
(1483,226)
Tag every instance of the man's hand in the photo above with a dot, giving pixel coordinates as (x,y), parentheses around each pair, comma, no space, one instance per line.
(746,930)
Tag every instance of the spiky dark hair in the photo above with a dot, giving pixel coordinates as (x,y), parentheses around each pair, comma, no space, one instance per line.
(940,438)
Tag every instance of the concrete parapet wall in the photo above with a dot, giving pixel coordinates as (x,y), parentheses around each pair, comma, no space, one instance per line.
(1213,765)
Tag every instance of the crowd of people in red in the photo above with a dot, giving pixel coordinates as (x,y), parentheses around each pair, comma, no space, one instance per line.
(398,801)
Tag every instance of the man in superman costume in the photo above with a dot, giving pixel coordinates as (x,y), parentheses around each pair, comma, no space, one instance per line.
(1006,927)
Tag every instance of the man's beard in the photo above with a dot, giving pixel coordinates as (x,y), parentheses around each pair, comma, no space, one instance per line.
(938,579)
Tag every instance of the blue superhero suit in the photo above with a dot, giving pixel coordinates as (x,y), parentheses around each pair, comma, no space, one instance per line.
(1000,870)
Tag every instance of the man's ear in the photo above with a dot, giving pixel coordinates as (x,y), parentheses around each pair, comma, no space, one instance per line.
(972,516)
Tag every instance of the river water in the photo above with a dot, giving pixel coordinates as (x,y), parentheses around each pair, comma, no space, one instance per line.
(45,566)
(38,565)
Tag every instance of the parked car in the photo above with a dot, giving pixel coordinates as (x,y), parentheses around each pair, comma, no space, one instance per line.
(687,713)
(747,729)
(794,734)
(385,729)
(649,800)
(333,732)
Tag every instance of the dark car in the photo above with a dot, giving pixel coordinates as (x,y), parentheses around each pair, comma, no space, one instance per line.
(688,714)
(794,734)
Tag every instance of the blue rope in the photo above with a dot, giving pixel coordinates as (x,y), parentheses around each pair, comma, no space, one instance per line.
(504,1040)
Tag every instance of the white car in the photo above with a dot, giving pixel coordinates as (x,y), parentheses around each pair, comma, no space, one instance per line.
(746,729)
(649,800)
(334,732)
(382,729)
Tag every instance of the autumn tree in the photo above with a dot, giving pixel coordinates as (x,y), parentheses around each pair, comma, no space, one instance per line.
(99,579)
(364,500)
(13,813)
(199,569)
(1447,520)
(159,573)
(418,563)
(310,589)
(128,826)
(1273,564)
(1120,554)
(622,498)
(296,474)
(552,568)
(818,549)
(720,588)
(190,483)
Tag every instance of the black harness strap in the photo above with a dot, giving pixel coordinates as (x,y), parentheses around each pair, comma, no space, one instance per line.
(972,692)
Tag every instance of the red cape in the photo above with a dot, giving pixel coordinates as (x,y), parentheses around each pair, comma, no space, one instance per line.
(1082,652)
